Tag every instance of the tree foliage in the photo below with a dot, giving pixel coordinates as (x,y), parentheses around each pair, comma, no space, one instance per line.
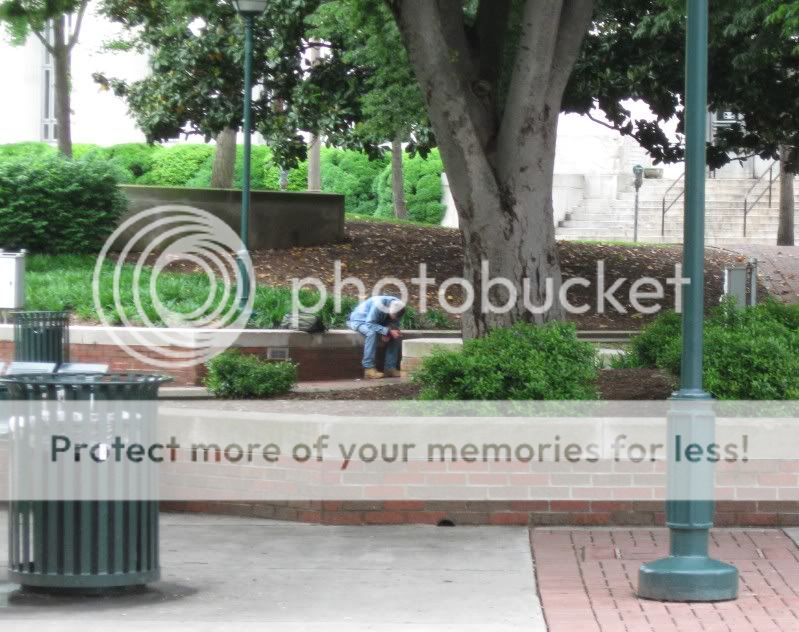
(635,50)
(196,51)
(379,89)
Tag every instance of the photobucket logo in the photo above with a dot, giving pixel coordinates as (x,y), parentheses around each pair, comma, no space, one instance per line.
(499,295)
(155,333)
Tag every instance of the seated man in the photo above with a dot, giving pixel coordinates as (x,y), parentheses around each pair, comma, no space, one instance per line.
(379,316)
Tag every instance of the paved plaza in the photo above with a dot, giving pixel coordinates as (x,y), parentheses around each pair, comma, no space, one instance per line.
(223,573)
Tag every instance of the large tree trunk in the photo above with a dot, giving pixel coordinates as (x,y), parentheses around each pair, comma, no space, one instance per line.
(397,180)
(224,159)
(61,68)
(785,232)
(499,157)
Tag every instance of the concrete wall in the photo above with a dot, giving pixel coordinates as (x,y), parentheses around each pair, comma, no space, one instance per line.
(277,219)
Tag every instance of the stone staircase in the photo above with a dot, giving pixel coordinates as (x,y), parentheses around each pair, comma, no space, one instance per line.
(724,219)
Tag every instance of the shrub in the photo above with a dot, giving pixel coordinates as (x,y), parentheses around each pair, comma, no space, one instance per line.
(523,362)
(82,150)
(264,173)
(423,189)
(351,174)
(238,376)
(176,166)
(135,160)
(749,353)
(26,150)
(57,205)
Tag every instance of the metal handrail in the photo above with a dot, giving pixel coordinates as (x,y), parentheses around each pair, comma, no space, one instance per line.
(665,208)
(771,181)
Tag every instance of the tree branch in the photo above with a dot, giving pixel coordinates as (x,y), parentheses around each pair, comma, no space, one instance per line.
(435,37)
(73,39)
(531,68)
(590,117)
(575,20)
(47,45)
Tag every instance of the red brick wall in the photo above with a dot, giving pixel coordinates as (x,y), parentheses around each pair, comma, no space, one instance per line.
(314,364)
(536,513)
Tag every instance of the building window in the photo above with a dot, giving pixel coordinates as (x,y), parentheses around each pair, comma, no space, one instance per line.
(49,126)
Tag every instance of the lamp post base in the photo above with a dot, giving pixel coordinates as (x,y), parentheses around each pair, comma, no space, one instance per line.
(688,578)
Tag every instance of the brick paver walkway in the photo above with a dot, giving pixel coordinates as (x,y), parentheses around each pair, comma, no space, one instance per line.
(587,581)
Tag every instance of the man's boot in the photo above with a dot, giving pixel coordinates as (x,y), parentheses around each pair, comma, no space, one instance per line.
(393,373)
(372,374)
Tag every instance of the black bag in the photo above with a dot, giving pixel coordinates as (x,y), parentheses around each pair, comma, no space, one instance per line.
(309,323)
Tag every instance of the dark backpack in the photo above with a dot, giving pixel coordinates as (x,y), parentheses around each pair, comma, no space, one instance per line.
(309,323)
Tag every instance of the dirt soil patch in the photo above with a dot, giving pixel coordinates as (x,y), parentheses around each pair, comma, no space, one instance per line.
(635,384)
(375,250)
(614,384)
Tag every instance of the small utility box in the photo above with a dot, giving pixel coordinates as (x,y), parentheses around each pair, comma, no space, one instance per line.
(12,280)
(740,282)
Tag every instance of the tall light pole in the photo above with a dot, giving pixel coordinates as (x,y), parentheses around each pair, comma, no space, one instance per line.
(688,573)
(248,10)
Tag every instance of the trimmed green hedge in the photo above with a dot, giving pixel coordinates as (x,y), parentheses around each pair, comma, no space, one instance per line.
(54,205)
(176,166)
(423,189)
(365,184)
(749,353)
(352,174)
(523,362)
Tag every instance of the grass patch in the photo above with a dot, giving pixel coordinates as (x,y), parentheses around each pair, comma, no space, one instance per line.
(623,244)
(372,219)
(64,282)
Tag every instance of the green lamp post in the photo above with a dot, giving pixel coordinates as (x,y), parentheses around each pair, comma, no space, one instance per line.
(688,573)
(248,9)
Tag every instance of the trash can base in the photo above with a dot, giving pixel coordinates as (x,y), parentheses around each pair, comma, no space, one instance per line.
(86,584)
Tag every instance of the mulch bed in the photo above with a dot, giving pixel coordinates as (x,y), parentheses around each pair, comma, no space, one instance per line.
(372,251)
(376,250)
(614,384)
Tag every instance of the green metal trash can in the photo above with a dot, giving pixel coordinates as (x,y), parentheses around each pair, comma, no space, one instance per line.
(81,545)
(41,336)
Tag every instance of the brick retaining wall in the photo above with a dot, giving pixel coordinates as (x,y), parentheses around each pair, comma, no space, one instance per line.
(534,513)
(330,356)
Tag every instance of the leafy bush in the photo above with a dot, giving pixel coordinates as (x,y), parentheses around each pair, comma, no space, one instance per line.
(135,160)
(235,375)
(264,173)
(57,205)
(26,150)
(351,174)
(423,189)
(523,362)
(82,150)
(749,353)
(176,166)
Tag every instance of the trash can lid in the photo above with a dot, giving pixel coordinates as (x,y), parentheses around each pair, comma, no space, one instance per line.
(71,379)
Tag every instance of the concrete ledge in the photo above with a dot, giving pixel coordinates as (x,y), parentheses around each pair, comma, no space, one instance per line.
(423,347)
(249,338)
(278,219)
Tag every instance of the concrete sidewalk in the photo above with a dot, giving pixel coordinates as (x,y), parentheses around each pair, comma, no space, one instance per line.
(224,573)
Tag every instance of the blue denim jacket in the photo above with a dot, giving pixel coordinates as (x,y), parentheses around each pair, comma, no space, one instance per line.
(374,310)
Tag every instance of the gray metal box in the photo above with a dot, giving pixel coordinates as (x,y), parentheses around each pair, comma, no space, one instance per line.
(12,280)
